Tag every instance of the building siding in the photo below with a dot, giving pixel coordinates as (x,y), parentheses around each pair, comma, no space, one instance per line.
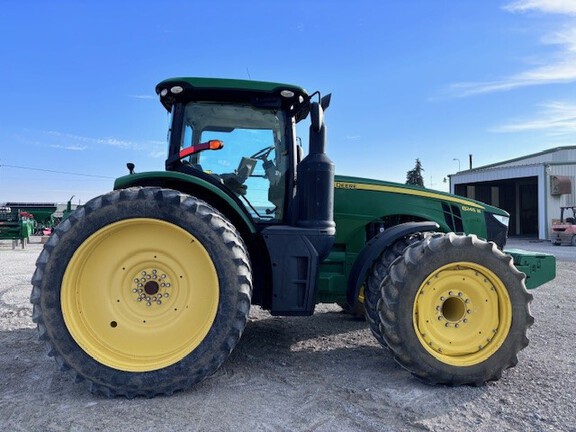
(554,162)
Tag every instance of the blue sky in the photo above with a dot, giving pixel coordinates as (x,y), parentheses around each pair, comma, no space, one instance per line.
(434,80)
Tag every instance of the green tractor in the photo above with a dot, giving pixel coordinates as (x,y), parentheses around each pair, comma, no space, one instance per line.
(146,290)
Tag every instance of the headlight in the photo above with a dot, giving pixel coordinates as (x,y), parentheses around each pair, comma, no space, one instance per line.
(504,220)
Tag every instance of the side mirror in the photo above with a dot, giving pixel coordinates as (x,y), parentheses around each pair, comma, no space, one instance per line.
(325,101)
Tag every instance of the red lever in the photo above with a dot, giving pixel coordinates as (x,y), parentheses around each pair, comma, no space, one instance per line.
(209,145)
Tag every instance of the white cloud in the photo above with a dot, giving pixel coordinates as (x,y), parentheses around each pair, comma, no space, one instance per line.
(563,71)
(142,97)
(106,141)
(157,154)
(555,68)
(70,147)
(557,118)
(567,7)
(116,143)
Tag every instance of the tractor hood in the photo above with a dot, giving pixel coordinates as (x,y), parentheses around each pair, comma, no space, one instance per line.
(358,183)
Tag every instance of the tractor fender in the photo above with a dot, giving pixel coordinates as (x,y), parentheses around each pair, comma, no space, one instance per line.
(209,191)
(374,248)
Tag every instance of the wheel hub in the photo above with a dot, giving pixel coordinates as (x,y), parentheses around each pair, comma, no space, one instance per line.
(453,308)
(151,286)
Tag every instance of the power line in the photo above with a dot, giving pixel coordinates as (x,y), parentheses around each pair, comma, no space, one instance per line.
(55,172)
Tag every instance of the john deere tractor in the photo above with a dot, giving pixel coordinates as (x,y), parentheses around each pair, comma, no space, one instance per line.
(146,290)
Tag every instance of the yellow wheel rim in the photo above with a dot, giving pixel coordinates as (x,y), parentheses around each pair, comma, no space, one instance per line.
(361,295)
(462,314)
(140,294)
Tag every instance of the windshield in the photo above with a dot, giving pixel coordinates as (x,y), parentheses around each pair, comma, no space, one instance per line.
(253,160)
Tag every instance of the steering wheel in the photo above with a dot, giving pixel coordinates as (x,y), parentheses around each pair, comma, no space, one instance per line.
(263,153)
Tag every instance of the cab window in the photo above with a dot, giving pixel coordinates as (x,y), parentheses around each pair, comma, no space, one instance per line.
(253,160)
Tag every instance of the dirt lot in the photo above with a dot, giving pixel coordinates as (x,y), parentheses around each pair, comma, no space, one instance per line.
(319,373)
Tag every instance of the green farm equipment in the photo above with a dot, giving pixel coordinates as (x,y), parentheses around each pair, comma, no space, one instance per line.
(146,290)
(16,225)
(43,214)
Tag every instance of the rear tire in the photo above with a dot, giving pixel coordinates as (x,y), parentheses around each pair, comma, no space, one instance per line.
(379,271)
(455,310)
(142,292)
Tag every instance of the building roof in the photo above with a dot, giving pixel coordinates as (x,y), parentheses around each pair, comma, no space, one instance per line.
(564,155)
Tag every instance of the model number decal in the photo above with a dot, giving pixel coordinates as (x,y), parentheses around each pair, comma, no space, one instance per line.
(471,209)
(342,185)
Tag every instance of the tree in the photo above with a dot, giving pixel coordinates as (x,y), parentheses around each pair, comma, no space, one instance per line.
(414,176)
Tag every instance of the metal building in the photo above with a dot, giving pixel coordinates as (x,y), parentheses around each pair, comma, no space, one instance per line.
(531,188)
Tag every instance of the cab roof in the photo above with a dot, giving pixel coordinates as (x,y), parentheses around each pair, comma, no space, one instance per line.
(258,93)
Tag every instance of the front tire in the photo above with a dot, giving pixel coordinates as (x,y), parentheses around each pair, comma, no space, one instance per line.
(455,310)
(143,291)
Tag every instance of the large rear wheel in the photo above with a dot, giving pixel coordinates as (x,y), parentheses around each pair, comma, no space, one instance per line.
(455,310)
(143,291)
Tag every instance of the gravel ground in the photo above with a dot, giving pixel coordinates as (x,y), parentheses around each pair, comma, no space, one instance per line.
(319,373)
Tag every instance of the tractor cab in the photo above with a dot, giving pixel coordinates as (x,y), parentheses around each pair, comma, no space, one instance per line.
(239,136)
(233,144)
